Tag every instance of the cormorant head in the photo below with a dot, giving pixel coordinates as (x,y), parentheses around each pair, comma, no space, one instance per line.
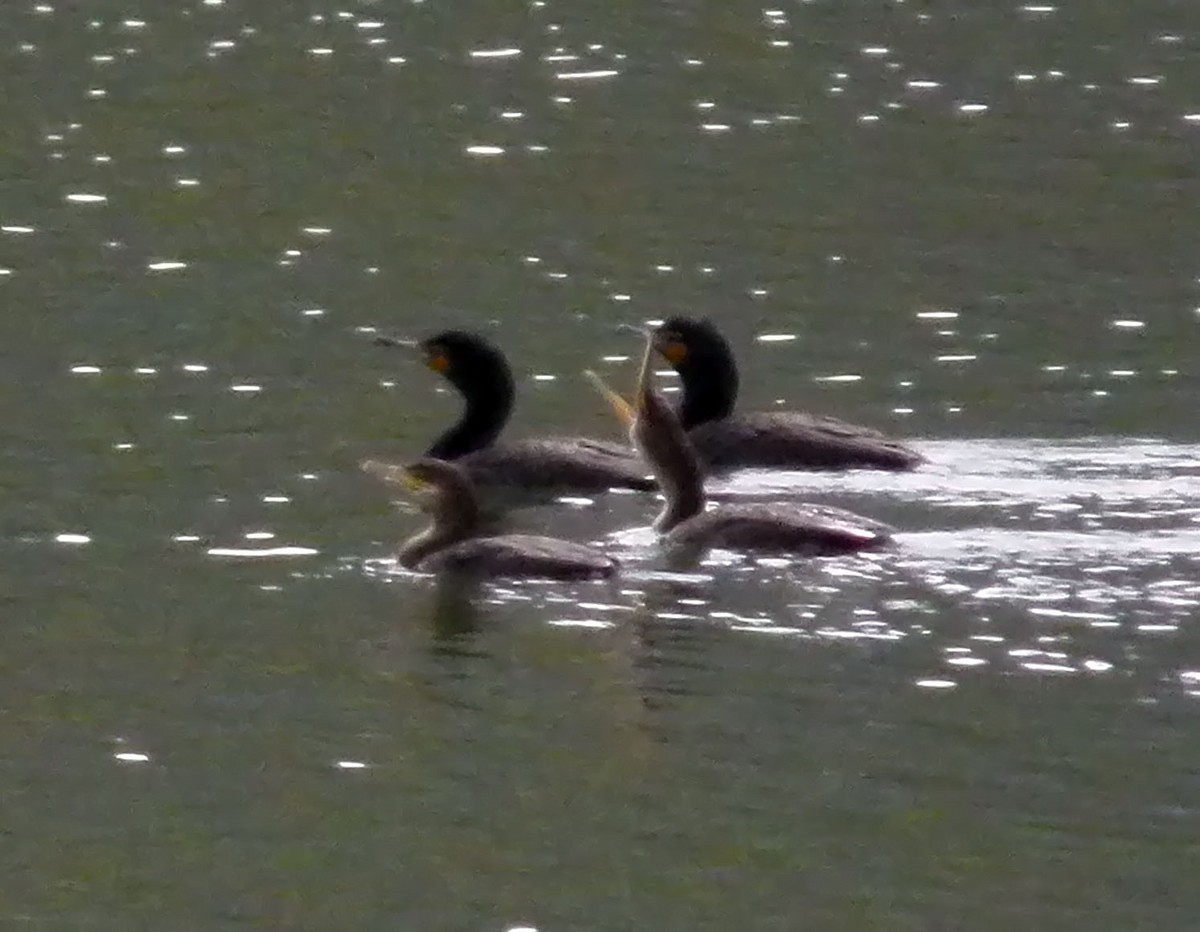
(696,350)
(468,361)
(690,342)
(480,373)
(440,487)
(429,474)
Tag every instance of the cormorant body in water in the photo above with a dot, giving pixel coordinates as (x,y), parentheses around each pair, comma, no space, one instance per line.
(452,542)
(480,373)
(803,529)
(725,440)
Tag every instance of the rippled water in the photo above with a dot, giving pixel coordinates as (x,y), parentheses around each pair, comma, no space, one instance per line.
(223,705)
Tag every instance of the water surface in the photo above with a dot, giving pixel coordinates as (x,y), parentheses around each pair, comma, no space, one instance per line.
(224,708)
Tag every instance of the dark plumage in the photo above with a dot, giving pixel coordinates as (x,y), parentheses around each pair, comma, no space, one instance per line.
(479,372)
(451,543)
(725,440)
(804,530)
(801,529)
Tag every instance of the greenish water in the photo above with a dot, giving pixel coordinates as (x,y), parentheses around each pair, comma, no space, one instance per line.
(222,706)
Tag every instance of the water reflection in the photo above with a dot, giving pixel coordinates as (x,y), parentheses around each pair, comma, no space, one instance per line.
(456,612)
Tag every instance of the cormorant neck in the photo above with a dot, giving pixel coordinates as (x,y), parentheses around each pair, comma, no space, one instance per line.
(684,499)
(661,439)
(421,545)
(456,517)
(488,400)
(710,385)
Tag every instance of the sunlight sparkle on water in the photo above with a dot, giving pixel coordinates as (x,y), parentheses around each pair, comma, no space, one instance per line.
(261,554)
(495,53)
(1036,666)
(587,75)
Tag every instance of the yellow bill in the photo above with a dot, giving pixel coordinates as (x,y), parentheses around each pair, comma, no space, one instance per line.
(623,409)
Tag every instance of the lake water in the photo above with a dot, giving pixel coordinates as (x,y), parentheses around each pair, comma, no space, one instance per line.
(973,225)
